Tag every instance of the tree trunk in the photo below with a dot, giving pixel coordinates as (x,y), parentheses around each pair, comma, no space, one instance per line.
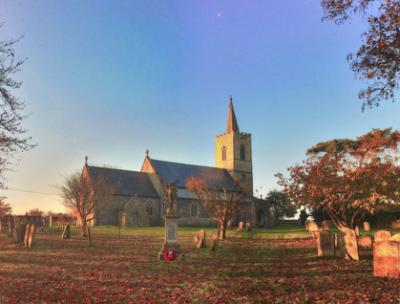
(84,229)
(89,234)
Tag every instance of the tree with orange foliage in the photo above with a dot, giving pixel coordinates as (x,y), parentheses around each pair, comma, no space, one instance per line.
(347,178)
(378,58)
(222,205)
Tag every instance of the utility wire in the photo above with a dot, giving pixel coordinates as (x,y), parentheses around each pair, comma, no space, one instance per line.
(30,191)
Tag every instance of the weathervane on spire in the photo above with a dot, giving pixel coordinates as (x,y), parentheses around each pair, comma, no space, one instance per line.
(147,152)
(86,158)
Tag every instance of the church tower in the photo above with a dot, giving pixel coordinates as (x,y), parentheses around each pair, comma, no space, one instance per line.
(233,150)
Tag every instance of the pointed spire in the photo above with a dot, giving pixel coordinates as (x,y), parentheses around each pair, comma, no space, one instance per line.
(232,125)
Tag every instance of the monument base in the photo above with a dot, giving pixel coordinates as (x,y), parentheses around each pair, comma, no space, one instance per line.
(170,241)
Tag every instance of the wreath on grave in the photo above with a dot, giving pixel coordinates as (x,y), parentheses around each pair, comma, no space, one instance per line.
(169,255)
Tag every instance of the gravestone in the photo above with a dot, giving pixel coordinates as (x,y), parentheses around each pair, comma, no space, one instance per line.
(248,227)
(10,228)
(346,244)
(381,235)
(214,241)
(364,242)
(31,234)
(366,226)
(395,237)
(325,225)
(357,231)
(312,227)
(387,259)
(396,224)
(200,239)
(19,232)
(325,244)
(240,227)
(66,232)
(26,235)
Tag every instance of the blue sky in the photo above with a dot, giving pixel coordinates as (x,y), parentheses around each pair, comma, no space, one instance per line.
(111,79)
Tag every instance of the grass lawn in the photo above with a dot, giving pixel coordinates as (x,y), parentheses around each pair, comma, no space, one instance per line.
(265,266)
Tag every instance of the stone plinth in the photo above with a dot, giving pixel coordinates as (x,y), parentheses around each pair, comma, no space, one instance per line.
(387,259)
(170,238)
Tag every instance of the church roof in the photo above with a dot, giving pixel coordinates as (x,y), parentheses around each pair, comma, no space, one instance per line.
(129,183)
(231,125)
(216,178)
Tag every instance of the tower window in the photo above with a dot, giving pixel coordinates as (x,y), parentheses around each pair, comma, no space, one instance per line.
(242,152)
(223,152)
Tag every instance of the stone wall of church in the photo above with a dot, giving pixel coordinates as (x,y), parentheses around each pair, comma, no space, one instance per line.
(193,213)
(130,211)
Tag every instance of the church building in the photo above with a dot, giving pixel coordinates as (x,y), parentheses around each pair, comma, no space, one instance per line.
(138,196)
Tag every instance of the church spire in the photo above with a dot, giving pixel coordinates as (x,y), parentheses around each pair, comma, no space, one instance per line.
(232,125)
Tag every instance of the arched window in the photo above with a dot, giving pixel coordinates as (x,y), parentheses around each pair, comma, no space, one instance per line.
(223,153)
(194,209)
(149,210)
(242,152)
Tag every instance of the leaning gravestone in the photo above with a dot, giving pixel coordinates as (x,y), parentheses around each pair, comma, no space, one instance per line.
(366,226)
(346,243)
(364,242)
(381,235)
(325,225)
(240,227)
(200,239)
(26,235)
(325,244)
(387,259)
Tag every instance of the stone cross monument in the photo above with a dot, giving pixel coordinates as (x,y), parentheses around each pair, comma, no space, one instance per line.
(171,220)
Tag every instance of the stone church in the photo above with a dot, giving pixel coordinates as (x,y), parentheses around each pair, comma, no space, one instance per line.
(138,198)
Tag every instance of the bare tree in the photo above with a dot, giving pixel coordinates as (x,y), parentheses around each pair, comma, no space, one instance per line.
(222,205)
(85,196)
(12,134)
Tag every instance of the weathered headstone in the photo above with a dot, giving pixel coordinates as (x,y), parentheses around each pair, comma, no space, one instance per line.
(395,237)
(66,232)
(10,228)
(31,235)
(200,239)
(366,226)
(346,244)
(364,242)
(325,225)
(248,227)
(381,235)
(19,232)
(240,227)
(214,241)
(396,224)
(26,235)
(312,227)
(357,231)
(387,259)
(325,244)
